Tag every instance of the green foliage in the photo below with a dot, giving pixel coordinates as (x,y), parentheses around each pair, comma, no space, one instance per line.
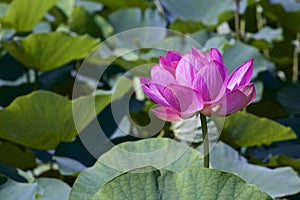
(16,18)
(42,189)
(53,189)
(225,158)
(46,51)
(244,129)
(207,12)
(192,183)
(13,190)
(157,152)
(40,110)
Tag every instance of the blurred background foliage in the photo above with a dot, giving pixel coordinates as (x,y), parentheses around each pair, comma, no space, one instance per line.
(43,44)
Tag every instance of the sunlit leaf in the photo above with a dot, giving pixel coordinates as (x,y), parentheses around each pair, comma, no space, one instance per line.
(66,6)
(23,15)
(46,51)
(188,26)
(44,119)
(244,129)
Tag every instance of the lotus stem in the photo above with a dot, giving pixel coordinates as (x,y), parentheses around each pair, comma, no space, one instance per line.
(205,140)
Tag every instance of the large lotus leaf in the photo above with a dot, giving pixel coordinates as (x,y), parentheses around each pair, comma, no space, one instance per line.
(43,119)
(11,190)
(157,152)
(207,12)
(53,189)
(239,53)
(244,129)
(47,51)
(225,158)
(23,15)
(135,18)
(192,183)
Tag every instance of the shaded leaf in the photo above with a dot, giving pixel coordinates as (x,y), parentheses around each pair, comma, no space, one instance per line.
(46,51)
(225,158)
(156,152)
(244,129)
(23,15)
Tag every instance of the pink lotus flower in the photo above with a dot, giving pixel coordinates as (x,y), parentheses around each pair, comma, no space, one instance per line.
(184,85)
